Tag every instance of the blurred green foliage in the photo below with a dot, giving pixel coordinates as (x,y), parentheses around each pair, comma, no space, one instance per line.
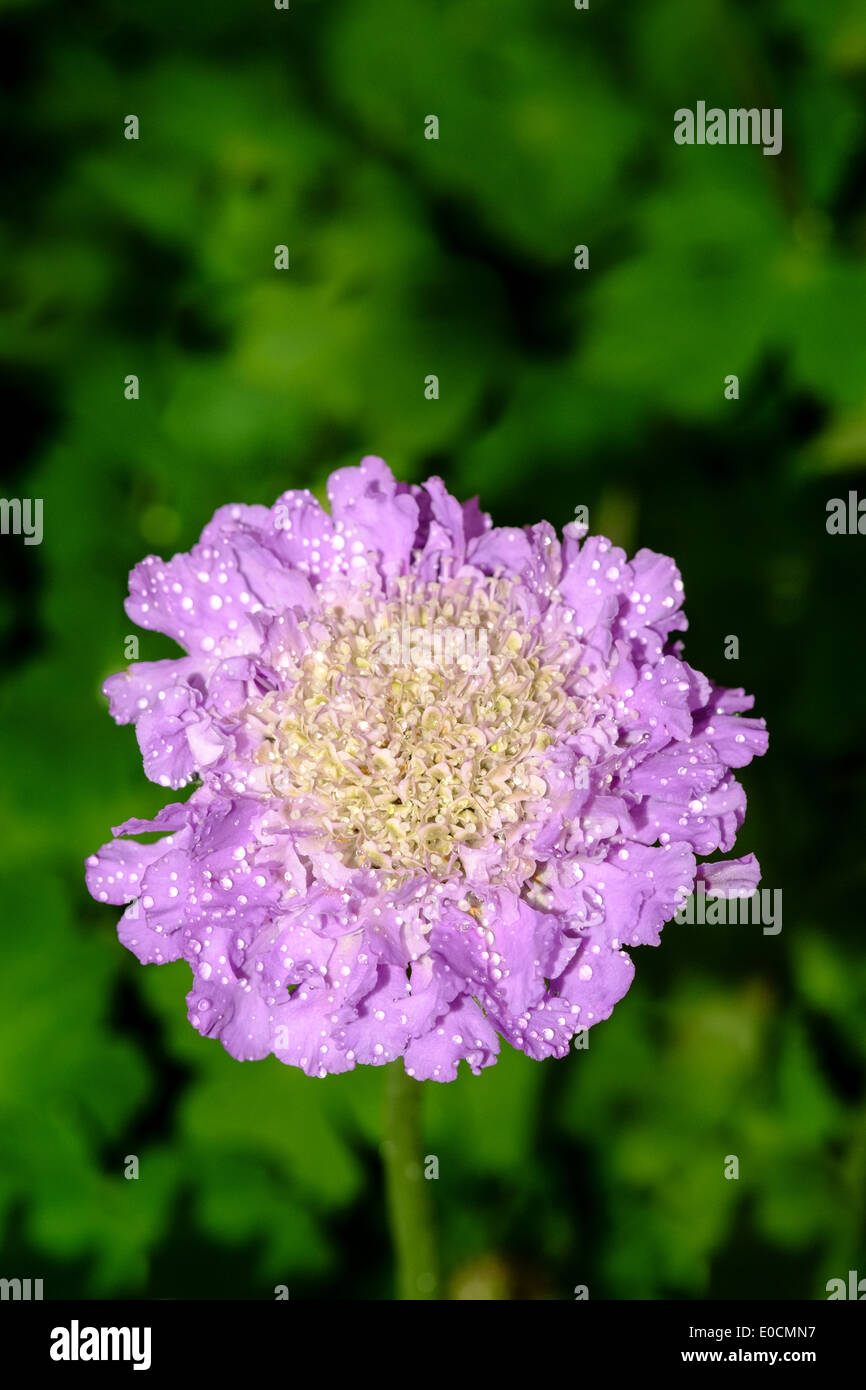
(557,387)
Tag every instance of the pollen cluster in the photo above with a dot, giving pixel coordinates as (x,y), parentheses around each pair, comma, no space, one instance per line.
(411,765)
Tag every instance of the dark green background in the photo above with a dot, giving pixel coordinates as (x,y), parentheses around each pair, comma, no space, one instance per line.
(558,387)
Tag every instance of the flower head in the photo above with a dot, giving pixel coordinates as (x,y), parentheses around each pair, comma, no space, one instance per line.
(447,775)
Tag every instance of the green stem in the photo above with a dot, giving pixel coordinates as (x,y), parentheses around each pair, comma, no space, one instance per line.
(410,1213)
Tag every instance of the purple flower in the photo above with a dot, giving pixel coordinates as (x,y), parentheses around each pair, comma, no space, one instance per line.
(446,775)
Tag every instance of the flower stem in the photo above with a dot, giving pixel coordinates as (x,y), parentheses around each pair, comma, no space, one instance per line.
(410,1214)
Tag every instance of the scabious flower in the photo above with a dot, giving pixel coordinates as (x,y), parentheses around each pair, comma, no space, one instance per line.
(411,848)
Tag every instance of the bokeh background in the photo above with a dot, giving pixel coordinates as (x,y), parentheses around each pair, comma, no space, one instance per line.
(558,387)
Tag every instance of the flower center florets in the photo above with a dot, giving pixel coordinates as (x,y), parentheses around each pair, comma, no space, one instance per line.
(412,730)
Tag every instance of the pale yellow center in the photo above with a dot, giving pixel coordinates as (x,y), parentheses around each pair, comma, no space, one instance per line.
(416,731)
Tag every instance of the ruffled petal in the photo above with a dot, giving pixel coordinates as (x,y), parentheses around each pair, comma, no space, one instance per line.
(373,514)
(462,1034)
(731,878)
